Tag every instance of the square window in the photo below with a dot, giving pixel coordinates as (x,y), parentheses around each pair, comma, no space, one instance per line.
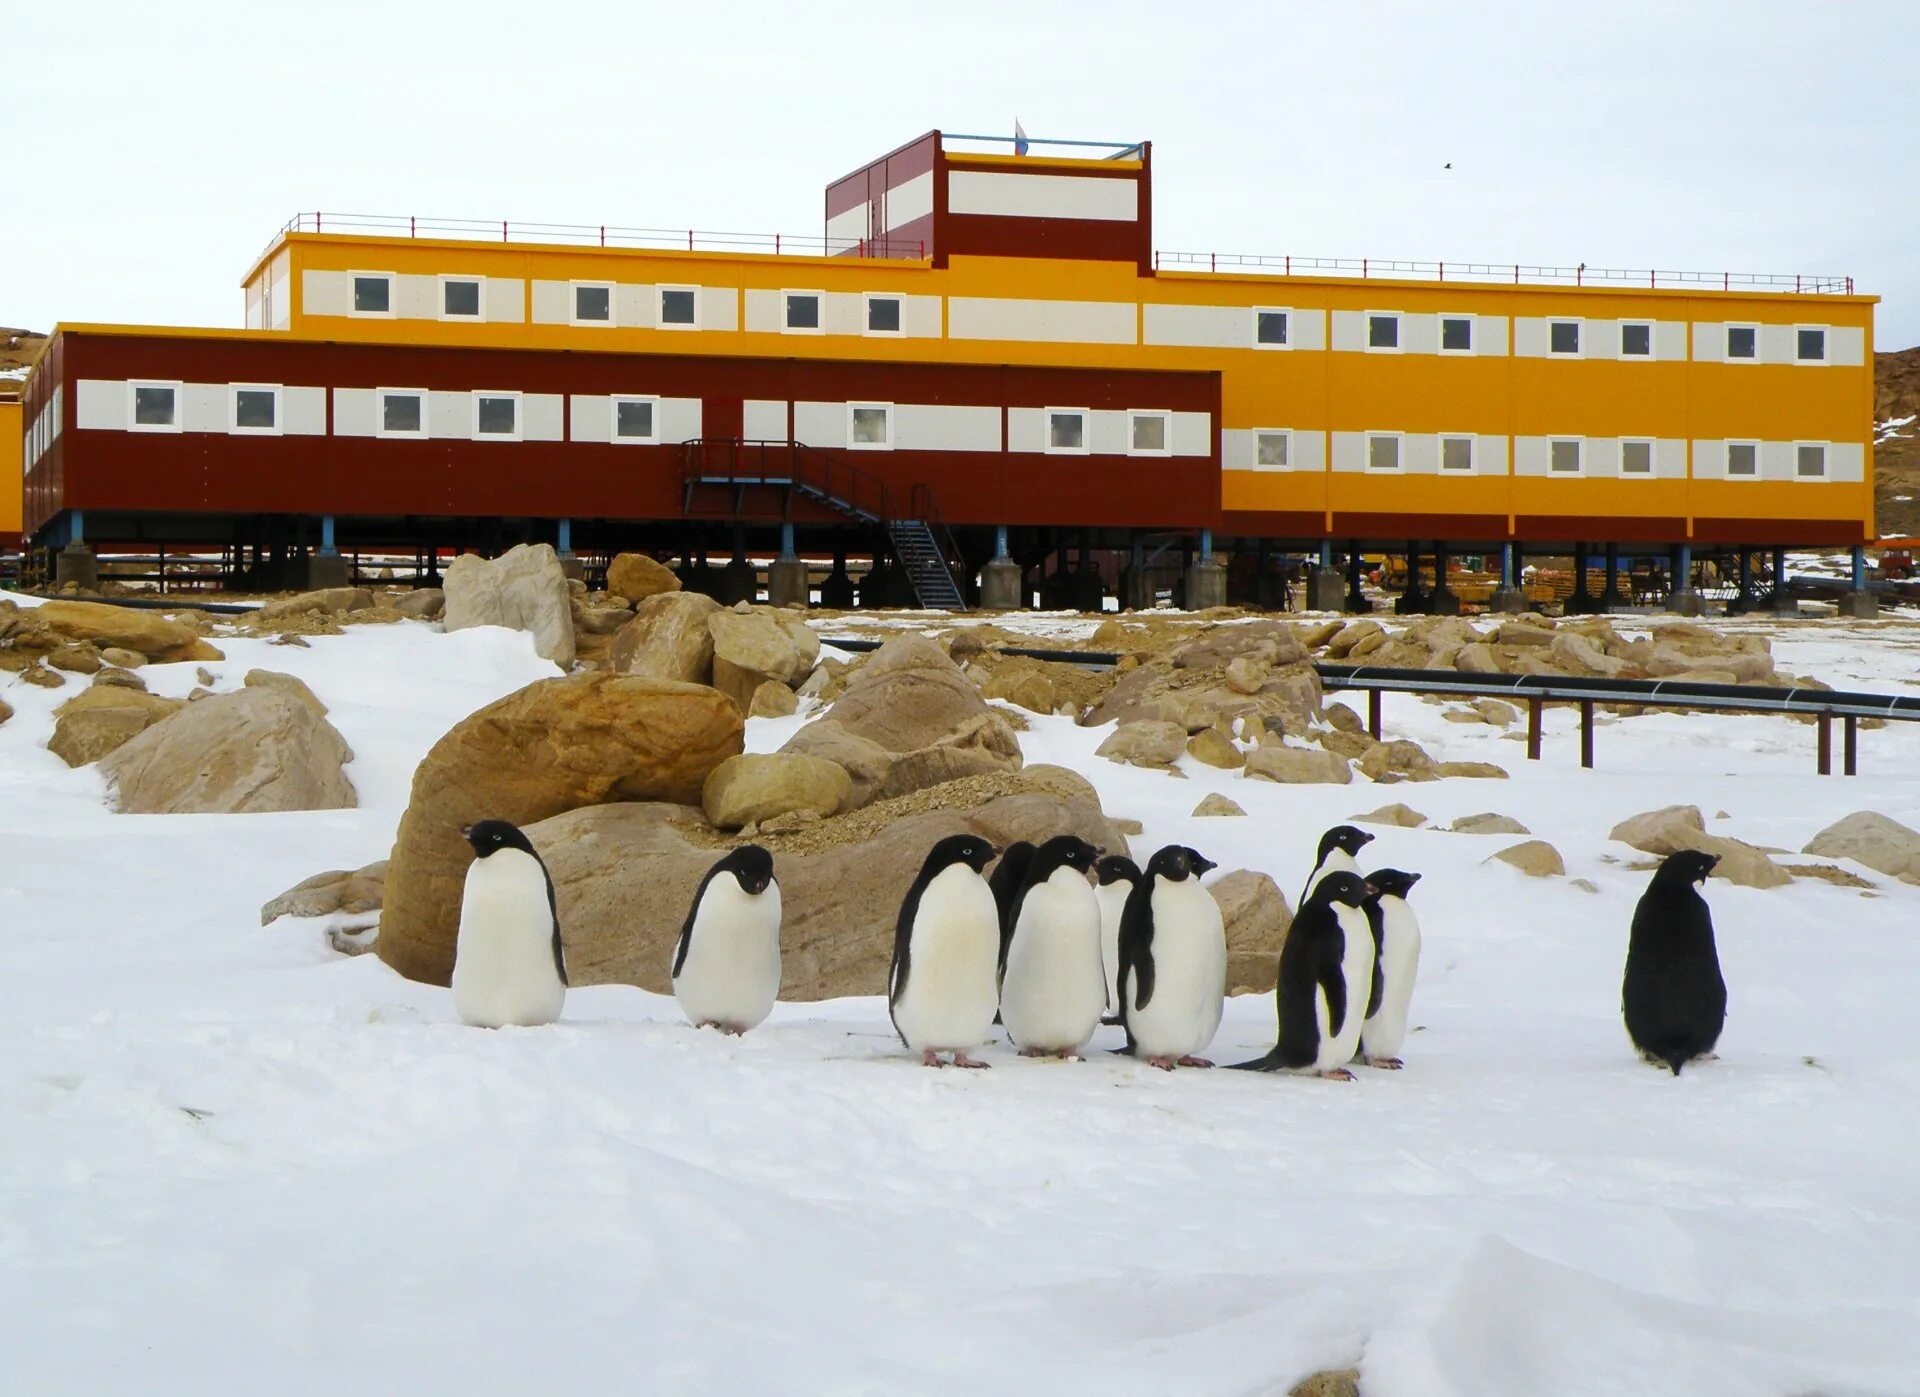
(156,406)
(1810,346)
(256,409)
(1270,328)
(1383,331)
(1273,450)
(870,426)
(592,304)
(1743,342)
(1147,434)
(1456,334)
(496,414)
(372,293)
(1563,337)
(803,310)
(1564,457)
(403,414)
(1383,453)
(1743,458)
(1636,341)
(1066,429)
(633,419)
(1810,461)
(679,305)
(1636,458)
(883,315)
(460,298)
(1456,453)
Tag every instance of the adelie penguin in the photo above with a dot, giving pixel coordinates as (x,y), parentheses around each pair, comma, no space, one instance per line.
(1053,989)
(726,965)
(1396,962)
(1008,878)
(508,966)
(1674,999)
(1173,962)
(944,985)
(1326,982)
(1117,874)
(1339,849)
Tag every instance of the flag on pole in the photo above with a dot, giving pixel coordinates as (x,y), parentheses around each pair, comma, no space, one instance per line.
(1019,137)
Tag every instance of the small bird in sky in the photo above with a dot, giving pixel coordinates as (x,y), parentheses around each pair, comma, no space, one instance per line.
(1447,166)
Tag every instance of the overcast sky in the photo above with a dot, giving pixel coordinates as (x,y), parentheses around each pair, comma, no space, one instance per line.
(156,148)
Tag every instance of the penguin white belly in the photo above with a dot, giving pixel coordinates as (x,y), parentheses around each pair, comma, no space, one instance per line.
(1338,861)
(503,970)
(1113,901)
(731,975)
(953,965)
(1055,987)
(1356,968)
(1386,1031)
(1189,974)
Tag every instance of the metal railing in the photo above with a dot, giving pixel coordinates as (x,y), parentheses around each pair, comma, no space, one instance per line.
(503,230)
(821,475)
(1510,273)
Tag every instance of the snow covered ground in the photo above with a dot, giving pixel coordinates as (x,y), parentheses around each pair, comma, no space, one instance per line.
(231,1160)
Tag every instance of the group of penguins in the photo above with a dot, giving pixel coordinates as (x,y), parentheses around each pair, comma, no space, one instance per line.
(1061,938)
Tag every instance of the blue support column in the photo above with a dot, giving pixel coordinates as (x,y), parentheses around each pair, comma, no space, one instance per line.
(786,542)
(76,530)
(1506,565)
(565,532)
(1206,545)
(1859,568)
(327,550)
(1326,552)
(1683,578)
(1000,541)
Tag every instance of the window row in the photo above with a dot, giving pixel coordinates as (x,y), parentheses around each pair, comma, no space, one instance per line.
(252,408)
(42,431)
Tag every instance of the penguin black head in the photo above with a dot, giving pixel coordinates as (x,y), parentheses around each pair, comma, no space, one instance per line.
(1176,863)
(491,836)
(751,867)
(1116,868)
(1347,888)
(1391,882)
(1062,851)
(1344,837)
(1685,868)
(976,853)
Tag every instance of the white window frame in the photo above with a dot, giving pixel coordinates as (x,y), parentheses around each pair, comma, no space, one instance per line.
(1166,431)
(1399,465)
(612,288)
(1826,342)
(1399,345)
(511,395)
(886,445)
(1653,458)
(613,419)
(866,313)
(819,326)
(1472,333)
(380,396)
(234,390)
(179,390)
(392,295)
(1826,457)
(660,307)
(1726,343)
(1653,341)
(1727,461)
(1085,448)
(1579,445)
(1286,435)
(1473,452)
(1579,337)
(480,302)
(1253,326)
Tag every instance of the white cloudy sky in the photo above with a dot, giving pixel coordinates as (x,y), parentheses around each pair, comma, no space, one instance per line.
(157,147)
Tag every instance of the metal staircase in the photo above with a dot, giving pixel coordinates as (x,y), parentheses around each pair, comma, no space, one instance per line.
(918,549)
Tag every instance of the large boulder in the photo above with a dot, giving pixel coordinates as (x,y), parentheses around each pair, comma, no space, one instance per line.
(636,577)
(286,684)
(551,747)
(1298,765)
(759,786)
(160,639)
(524,589)
(1534,857)
(909,719)
(668,638)
(348,892)
(334,601)
(759,644)
(423,603)
(1257,917)
(1258,642)
(1144,744)
(1868,837)
(102,719)
(251,751)
(1676,827)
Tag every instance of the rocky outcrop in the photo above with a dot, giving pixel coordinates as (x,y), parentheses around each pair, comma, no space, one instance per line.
(1298,765)
(636,577)
(551,747)
(1144,744)
(348,892)
(252,751)
(286,684)
(668,638)
(1214,748)
(1676,827)
(1875,840)
(773,700)
(756,645)
(39,630)
(423,603)
(334,601)
(101,720)
(749,788)
(1255,672)
(523,589)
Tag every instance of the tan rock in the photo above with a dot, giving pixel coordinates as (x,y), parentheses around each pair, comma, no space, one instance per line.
(1536,858)
(1214,748)
(1260,642)
(1332,1382)
(1875,840)
(1664,831)
(1298,766)
(750,647)
(204,677)
(668,638)
(6,710)
(287,684)
(251,751)
(152,634)
(1580,655)
(1213,803)
(1741,863)
(1245,675)
(1395,814)
(1488,823)
(1492,710)
(1482,771)
(590,620)
(752,787)
(423,603)
(350,892)
(74,658)
(97,721)
(1399,757)
(200,652)
(553,746)
(1342,641)
(1257,919)
(1365,647)
(1476,659)
(523,589)
(636,577)
(1343,718)
(41,677)
(122,658)
(1519,632)
(1144,744)
(113,677)
(1351,745)
(334,601)
(1025,686)
(773,700)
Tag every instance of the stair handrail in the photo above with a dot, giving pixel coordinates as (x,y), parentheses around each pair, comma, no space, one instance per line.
(926,508)
(840,482)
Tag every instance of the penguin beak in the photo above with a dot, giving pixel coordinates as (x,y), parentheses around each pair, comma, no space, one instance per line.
(466,831)
(1372,891)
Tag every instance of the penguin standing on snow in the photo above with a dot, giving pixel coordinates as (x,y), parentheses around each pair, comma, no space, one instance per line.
(1173,962)
(944,986)
(508,967)
(1339,848)
(1053,989)
(1009,878)
(1326,982)
(1396,961)
(1117,874)
(726,966)
(1674,999)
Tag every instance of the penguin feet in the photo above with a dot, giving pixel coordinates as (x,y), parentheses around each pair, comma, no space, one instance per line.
(960,1059)
(1337,1074)
(730,1029)
(1191,1061)
(1165,1064)
(1064,1054)
(1385,1064)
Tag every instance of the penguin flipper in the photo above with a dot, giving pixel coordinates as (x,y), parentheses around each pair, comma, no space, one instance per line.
(553,911)
(1376,917)
(1267,1062)
(1136,948)
(1334,986)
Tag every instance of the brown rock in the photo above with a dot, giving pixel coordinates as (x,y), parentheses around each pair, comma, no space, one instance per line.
(1213,803)
(1351,745)
(1366,645)
(41,677)
(1492,710)
(1664,831)
(750,647)
(204,677)
(353,892)
(1488,823)
(1342,642)
(1334,1382)
(1023,683)
(1580,655)
(1875,840)
(752,787)
(1483,771)
(96,722)
(1259,642)
(122,658)
(113,677)
(636,577)
(1399,757)
(423,603)
(1476,659)
(334,601)
(1298,766)
(524,589)
(668,638)
(1245,675)
(153,635)
(200,652)
(1144,744)
(1319,633)
(287,684)
(250,751)
(1343,718)
(1536,858)
(1257,918)
(1395,814)
(74,658)
(773,700)
(1213,747)
(6,710)
(1519,632)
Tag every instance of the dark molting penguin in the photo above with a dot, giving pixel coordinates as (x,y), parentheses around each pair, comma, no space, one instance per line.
(1396,961)
(944,986)
(1118,875)
(1674,1000)
(726,965)
(1173,962)
(1339,848)
(1326,981)
(1009,877)
(508,967)
(1053,989)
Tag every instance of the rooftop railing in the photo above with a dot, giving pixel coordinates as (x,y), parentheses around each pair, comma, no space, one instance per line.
(1509,273)
(502,230)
